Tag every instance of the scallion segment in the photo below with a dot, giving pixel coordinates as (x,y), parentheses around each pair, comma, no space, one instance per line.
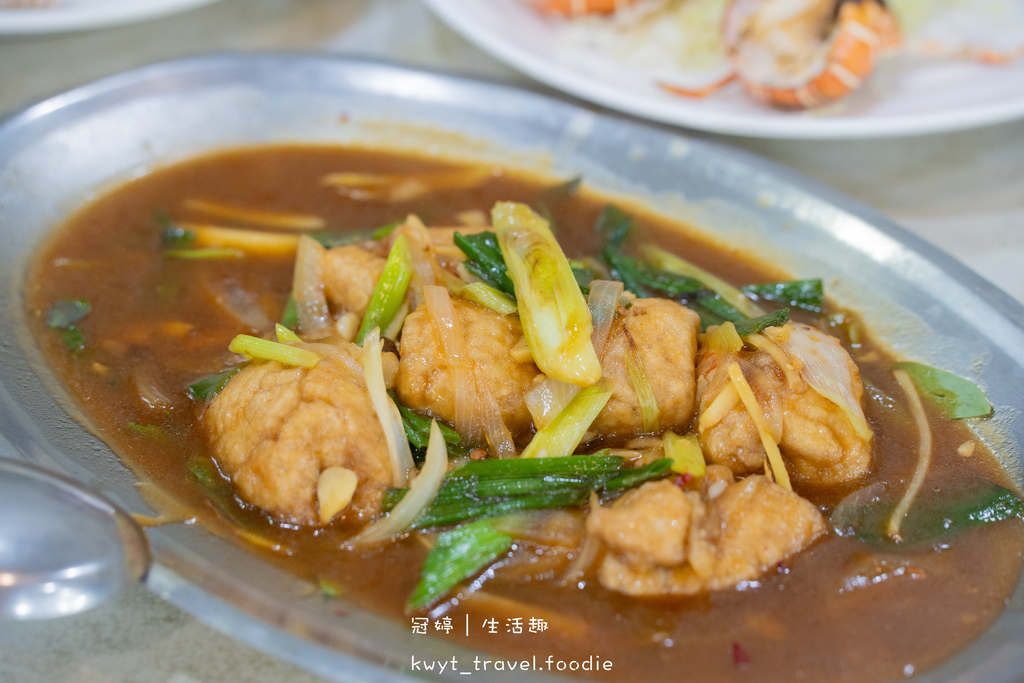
(484,259)
(659,258)
(563,434)
(264,349)
(457,555)
(489,297)
(210,254)
(555,317)
(778,318)
(208,387)
(290,314)
(490,488)
(389,293)
(417,431)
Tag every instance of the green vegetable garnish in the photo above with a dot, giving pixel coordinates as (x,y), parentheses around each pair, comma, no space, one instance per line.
(806,294)
(955,396)
(172,234)
(417,431)
(389,293)
(631,478)
(778,318)
(206,388)
(73,339)
(489,488)
(64,313)
(385,230)
(613,226)
(489,297)
(151,431)
(484,260)
(565,431)
(659,258)
(290,315)
(329,240)
(928,521)
(457,555)
(213,254)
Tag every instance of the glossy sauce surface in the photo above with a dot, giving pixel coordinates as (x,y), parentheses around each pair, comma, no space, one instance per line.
(839,611)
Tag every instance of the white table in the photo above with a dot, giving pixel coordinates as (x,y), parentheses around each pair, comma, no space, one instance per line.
(962,191)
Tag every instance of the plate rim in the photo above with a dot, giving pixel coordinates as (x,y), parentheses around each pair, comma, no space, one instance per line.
(115,13)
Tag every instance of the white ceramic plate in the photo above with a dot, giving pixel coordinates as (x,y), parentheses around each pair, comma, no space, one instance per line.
(905,96)
(76,15)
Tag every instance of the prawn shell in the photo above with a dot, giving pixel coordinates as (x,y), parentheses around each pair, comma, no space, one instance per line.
(572,8)
(863,31)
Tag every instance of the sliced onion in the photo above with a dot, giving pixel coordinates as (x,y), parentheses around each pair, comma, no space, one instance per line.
(826,368)
(499,438)
(558,528)
(387,412)
(778,355)
(603,302)
(460,368)
(421,493)
(308,289)
(546,400)
(240,303)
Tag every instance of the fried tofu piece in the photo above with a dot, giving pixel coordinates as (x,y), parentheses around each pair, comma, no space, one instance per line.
(274,429)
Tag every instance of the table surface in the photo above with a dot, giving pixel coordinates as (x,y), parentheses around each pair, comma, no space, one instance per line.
(943,187)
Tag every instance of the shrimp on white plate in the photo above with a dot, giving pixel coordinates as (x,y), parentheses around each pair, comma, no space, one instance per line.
(798,54)
(573,8)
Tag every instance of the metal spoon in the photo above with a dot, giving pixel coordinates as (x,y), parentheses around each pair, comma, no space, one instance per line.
(64,548)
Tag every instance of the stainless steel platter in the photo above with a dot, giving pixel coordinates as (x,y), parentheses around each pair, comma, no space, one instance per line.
(60,153)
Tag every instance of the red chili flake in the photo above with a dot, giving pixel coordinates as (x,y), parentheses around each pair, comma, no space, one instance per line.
(683,479)
(343,117)
(740,657)
(781,567)
(340,613)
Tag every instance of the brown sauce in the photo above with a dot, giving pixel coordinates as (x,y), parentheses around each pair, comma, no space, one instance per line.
(807,620)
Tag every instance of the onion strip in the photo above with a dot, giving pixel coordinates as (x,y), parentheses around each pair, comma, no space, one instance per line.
(461,380)
(308,289)
(924,454)
(746,394)
(826,369)
(496,432)
(603,302)
(387,412)
(779,356)
(421,493)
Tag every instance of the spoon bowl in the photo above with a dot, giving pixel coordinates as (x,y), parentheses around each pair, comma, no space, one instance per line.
(64,548)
